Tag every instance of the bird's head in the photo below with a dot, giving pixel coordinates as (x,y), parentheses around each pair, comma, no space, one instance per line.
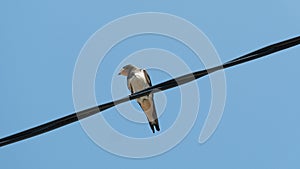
(126,69)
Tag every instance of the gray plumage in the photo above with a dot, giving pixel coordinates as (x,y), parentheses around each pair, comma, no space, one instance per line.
(137,80)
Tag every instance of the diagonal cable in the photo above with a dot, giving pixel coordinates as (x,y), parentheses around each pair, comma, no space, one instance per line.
(156,88)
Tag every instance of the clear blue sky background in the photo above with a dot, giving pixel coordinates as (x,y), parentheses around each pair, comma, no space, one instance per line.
(40,42)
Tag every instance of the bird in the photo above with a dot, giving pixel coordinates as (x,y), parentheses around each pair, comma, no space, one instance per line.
(137,80)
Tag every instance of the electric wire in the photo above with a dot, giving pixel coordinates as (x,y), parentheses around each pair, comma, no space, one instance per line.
(154,89)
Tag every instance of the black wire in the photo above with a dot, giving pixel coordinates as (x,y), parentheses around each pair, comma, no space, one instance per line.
(245,58)
(156,88)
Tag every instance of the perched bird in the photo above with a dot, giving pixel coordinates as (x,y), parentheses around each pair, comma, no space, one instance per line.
(137,80)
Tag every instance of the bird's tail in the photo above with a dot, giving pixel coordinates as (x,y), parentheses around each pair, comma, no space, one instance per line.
(154,124)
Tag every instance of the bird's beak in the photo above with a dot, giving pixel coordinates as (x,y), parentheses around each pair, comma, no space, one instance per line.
(120,73)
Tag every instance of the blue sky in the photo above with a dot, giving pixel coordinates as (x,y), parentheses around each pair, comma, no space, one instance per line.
(41,40)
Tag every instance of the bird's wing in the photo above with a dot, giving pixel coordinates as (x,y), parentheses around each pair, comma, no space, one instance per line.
(130,87)
(147,77)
